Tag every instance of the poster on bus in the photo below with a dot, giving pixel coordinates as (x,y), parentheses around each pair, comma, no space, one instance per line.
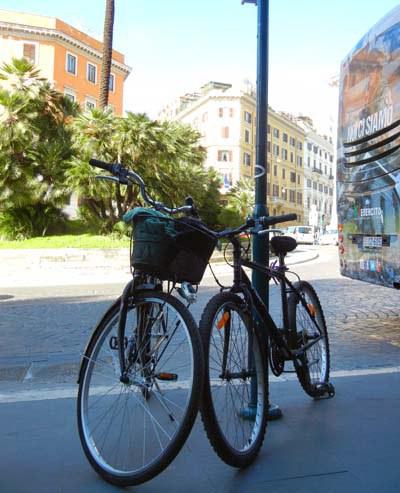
(368,167)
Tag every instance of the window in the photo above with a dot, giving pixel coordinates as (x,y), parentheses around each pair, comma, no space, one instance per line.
(299,198)
(309,183)
(275,150)
(309,146)
(308,161)
(299,161)
(293,177)
(268,188)
(247,117)
(292,141)
(283,173)
(326,169)
(291,157)
(330,191)
(90,104)
(325,189)
(320,188)
(269,146)
(91,73)
(227,179)
(71,64)
(284,194)
(275,191)
(326,155)
(315,148)
(267,167)
(298,179)
(247,136)
(314,185)
(285,137)
(220,112)
(29,52)
(276,132)
(308,203)
(292,196)
(284,154)
(330,158)
(231,112)
(246,159)
(225,132)
(300,146)
(275,170)
(268,129)
(70,94)
(111,83)
(224,155)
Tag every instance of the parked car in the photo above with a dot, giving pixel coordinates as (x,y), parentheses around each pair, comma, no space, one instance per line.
(330,237)
(302,234)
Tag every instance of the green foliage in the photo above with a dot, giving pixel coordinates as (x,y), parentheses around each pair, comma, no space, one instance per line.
(35,145)
(239,203)
(166,154)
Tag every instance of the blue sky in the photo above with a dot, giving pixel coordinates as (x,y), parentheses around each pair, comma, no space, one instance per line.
(174,46)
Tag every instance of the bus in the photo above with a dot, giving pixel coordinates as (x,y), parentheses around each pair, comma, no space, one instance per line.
(368,159)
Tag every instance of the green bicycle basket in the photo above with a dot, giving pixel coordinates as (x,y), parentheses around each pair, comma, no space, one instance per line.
(170,249)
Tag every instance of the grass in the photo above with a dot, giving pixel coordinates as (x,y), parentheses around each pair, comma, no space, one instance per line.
(67,241)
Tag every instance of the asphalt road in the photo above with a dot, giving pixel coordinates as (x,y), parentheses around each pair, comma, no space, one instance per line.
(44,330)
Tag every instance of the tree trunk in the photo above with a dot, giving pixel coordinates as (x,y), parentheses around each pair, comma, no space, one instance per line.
(107,54)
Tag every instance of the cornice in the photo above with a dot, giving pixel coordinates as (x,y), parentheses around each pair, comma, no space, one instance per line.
(56,35)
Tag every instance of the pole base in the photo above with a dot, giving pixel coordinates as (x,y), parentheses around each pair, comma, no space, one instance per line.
(249,413)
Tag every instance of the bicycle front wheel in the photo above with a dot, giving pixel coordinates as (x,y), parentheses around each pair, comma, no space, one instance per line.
(307,319)
(235,396)
(131,431)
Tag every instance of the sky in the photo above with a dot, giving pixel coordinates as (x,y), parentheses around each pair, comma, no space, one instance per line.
(175,46)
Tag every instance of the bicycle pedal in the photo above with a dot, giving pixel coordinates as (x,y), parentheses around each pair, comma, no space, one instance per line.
(168,377)
(324,391)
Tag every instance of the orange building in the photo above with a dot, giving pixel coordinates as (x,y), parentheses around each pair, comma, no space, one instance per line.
(67,57)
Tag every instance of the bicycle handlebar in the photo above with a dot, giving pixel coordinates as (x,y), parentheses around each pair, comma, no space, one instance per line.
(125,176)
(263,221)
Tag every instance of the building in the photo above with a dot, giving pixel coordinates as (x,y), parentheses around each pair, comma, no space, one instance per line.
(226,118)
(67,57)
(319,176)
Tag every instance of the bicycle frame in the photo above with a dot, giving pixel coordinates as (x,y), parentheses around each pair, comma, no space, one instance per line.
(242,283)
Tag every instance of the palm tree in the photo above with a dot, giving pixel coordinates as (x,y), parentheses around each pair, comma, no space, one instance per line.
(107,53)
(241,197)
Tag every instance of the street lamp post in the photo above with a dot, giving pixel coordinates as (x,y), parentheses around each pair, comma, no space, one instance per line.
(261,244)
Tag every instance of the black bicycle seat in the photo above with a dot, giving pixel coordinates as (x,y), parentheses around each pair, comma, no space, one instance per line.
(283,244)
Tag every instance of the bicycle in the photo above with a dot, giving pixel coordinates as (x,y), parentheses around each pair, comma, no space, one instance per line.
(239,337)
(141,373)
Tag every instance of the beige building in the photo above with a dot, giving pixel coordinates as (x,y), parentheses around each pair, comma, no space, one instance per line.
(67,57)
(226,118)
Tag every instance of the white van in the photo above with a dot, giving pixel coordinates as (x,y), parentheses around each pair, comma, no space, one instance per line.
(302,234)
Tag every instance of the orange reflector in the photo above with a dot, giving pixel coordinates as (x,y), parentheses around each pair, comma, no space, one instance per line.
(311,309)
(222,321)
(167,376)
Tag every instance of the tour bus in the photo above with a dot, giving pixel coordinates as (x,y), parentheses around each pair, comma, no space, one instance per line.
(368,173)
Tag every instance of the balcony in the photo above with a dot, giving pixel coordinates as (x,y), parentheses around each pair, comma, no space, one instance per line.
(317,170)
(331,177)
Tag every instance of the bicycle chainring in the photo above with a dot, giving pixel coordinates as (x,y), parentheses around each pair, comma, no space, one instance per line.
(276,359)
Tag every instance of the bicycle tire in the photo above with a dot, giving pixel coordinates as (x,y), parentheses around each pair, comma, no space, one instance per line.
(221,422)
(150,407)
(300,320)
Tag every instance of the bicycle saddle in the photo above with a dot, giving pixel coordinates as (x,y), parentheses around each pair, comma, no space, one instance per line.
(283,244)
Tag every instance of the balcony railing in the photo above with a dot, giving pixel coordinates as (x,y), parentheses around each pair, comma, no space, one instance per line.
(317,170)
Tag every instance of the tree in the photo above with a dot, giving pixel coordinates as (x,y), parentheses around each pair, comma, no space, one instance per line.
(35,145)
(241,197)
(166,154)
(107,54)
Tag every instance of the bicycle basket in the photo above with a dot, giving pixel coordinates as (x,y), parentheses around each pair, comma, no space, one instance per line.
(170,249)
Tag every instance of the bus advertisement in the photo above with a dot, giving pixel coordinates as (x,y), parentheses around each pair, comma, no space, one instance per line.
(368,164)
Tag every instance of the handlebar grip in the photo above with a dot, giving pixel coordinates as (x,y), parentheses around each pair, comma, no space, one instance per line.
(101,164)
(271,220)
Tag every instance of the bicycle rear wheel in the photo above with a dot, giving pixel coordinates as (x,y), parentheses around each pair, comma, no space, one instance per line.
(309,323)
(131,431)
(234,356)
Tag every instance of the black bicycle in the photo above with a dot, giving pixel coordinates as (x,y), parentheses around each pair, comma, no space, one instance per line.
(141,374)
(239,335)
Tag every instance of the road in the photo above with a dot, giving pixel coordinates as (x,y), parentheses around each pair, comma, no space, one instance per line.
(43,330)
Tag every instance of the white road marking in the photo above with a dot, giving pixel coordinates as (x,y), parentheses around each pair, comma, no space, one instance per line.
(27,395)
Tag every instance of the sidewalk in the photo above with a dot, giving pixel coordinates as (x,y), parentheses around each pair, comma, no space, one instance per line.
(29,268)
(347,444)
